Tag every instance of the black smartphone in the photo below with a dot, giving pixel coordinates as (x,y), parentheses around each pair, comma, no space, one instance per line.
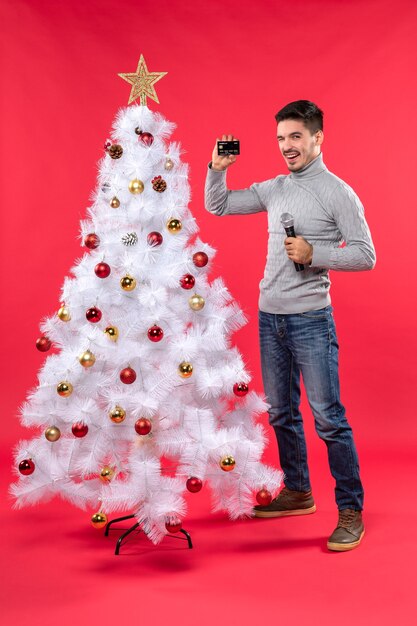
(228,147)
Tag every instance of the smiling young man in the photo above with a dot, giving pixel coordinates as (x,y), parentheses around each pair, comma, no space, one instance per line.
(296,326)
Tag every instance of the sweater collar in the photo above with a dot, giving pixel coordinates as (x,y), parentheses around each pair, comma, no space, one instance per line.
(313,168)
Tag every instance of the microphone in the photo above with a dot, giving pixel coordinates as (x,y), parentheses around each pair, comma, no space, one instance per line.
(287,221)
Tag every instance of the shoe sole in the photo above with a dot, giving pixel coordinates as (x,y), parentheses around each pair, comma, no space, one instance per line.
(344,547)
(311,509)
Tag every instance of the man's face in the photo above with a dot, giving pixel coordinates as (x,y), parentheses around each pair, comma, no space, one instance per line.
(298,146)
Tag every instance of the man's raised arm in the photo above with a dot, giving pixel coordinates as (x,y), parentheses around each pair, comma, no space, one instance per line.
(219,200)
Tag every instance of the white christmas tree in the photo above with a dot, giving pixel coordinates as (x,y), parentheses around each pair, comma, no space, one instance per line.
(145,397)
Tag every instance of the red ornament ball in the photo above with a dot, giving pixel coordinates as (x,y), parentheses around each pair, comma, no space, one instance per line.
(146,139)
(79,429)
(240,389)
(155,333)
(26,467)
(102,270)
(155,239)
(194,484)
(187,281)
(264,497)
(93,315)
(92,241)
(200,259)
(143,426)
(173,525)
(43,344)
(128,375)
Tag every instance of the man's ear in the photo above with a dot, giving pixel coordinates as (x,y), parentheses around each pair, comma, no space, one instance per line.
(319,137)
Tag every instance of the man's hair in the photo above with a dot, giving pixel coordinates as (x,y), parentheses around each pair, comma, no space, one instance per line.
(304,110)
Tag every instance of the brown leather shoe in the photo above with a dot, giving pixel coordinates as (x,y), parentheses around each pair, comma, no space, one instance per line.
(287,502)
(349,531)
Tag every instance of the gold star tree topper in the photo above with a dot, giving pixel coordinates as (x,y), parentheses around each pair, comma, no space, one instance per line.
(143,82)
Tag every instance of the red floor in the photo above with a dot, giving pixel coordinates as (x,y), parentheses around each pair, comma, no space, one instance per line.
(59,570)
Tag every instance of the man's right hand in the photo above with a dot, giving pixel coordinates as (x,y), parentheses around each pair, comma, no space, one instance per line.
(222,162)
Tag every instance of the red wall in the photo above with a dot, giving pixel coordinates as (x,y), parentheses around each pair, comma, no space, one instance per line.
(230,66)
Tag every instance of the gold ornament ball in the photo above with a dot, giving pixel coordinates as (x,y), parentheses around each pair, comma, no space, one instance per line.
(106,474)
(185,369)
(112,332)
(169,164)
(115,203)
(52,433)
(64,314)
(227,463)
(87,359)
(136,186)
(117,415)
(196,302)
(174,225)
(64,389)
(99,520)
(128,283)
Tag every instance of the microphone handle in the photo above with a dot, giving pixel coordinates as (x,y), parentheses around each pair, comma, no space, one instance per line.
(291,233)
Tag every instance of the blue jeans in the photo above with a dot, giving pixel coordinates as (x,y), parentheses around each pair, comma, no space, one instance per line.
(306,344)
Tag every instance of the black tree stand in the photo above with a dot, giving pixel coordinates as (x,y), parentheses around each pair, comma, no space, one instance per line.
(134,527)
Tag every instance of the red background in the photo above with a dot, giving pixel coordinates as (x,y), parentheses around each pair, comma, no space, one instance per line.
(231,66)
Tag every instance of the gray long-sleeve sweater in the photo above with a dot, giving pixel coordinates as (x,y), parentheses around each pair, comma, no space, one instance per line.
(326,212)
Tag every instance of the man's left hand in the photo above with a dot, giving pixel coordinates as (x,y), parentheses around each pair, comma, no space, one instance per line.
(299,250)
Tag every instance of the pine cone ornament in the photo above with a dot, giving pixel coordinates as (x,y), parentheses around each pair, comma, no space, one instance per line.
(115,151)
(159,184)
(130,239)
